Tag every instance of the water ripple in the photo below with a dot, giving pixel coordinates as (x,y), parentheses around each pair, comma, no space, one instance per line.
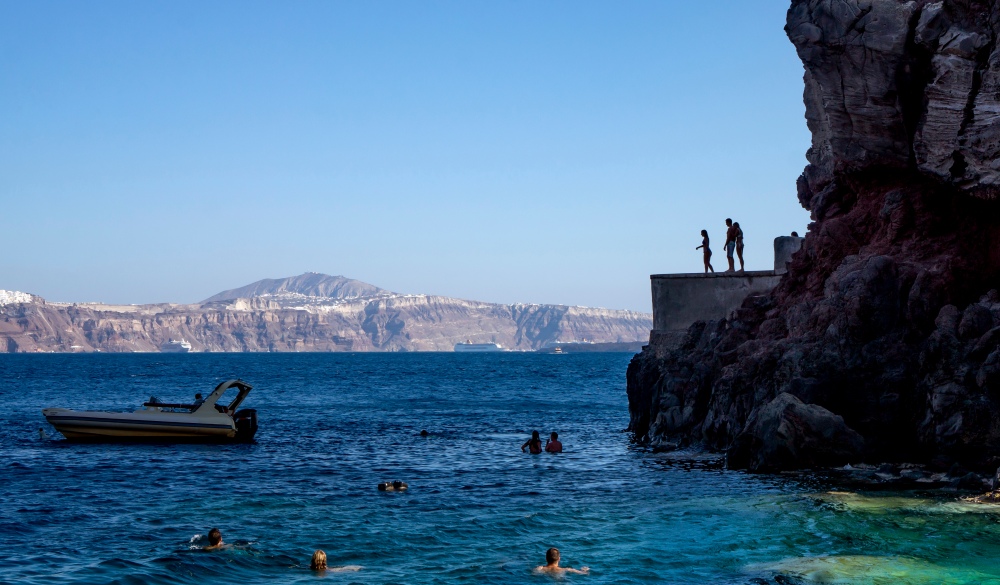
(477,511)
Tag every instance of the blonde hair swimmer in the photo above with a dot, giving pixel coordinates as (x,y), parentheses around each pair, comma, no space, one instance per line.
(318,563)
(552,565)
(392,486)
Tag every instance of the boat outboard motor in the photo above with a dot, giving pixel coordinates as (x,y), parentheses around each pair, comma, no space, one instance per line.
(246,424)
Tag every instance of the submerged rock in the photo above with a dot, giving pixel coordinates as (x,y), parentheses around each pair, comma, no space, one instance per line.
(873,570)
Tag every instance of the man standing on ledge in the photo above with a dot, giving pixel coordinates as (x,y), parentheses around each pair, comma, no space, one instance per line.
(731,232)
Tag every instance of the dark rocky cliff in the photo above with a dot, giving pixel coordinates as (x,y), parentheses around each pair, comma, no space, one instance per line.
(883,341)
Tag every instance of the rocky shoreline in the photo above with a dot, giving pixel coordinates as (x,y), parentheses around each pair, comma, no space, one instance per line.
(881,345)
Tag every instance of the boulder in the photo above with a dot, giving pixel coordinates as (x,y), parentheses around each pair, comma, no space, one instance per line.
(786,433)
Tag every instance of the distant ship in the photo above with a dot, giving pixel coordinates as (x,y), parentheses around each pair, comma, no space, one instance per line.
(468,346)
(173,346)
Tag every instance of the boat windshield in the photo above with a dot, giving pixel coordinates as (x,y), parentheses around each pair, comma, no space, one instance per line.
(231,397)
(226,398)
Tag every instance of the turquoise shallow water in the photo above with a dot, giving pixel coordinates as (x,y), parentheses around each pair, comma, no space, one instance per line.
(478,511)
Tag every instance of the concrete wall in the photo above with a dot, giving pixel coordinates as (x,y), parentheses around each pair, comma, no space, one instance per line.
(681,299)
(784,247)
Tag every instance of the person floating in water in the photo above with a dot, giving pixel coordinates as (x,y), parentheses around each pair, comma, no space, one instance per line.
(707,253)
(739,243)
(318,563)
(534,444)
(552,445)
(215,540)
(552,565)
(730,244)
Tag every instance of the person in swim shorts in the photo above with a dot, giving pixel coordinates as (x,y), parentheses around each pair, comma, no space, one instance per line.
(730,244)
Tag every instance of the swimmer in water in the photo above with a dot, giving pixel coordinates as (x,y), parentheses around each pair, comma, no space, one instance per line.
(553,445)
(534,444)
(552,565)
(214,540)
(318,563)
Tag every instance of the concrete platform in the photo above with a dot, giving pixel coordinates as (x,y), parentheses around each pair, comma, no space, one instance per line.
(681,299)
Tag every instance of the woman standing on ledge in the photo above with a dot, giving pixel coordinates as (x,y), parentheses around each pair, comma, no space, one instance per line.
(739,243)
(707,253)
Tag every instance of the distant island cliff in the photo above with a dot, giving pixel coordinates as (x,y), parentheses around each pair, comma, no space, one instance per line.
(882,342)
(310,312)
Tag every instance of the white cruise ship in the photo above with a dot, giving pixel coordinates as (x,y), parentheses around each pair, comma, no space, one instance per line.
(174,346)
(469,347)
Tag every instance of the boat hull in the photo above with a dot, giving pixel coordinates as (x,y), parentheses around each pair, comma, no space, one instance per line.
(115,427)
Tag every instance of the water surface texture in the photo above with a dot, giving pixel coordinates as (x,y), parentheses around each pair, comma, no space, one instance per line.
(478,510)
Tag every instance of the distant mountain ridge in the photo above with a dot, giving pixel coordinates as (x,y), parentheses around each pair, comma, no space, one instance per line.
(308,312)
(310,284)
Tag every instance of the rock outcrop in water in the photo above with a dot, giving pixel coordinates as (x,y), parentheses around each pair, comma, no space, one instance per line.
(889,317)
(310,312)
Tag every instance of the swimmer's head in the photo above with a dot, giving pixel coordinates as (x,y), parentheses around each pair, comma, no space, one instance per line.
(534,434)
(552,556)
(729,221)
(197,396)
(318,561)
(214,536)
(554,435)
(704,233)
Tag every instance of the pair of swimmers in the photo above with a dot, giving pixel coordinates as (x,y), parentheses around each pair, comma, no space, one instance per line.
(317,563)
(551,565)
(534,444)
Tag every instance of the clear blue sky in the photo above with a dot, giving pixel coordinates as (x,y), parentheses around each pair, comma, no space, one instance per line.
(551,152)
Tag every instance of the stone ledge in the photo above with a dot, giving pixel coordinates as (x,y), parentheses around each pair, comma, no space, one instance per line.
(750,273)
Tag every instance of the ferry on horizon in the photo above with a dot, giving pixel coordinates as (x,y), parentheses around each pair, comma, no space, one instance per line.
(173,346)
(468,346)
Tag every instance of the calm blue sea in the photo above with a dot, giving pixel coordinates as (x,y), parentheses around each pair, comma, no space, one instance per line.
(478,510)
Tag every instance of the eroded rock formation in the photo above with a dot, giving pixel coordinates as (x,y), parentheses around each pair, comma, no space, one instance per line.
(310,312)
(888,317)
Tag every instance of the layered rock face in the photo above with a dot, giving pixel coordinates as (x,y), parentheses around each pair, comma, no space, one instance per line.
(888,319)
(310,312)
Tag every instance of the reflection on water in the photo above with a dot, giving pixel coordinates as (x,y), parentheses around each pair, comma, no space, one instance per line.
(477,511)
